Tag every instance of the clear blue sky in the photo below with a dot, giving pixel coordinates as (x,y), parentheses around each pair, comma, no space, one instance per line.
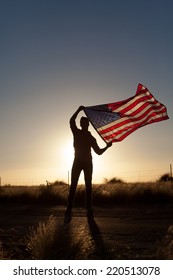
(57,55)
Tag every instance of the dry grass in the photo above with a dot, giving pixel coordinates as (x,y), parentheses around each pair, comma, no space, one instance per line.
(40,240)
(48,241)
(134,192)
(34,194)
(109,193)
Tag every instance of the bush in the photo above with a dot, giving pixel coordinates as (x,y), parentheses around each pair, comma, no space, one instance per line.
(113,181)
(165,178)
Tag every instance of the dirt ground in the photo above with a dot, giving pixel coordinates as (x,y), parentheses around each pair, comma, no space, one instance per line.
(120,232)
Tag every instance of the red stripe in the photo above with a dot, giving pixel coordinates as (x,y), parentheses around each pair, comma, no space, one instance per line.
(144,100)
(130,129)
(115,105)
(142,107)
(131,118)
(140,89)
(126,122)
(118,104)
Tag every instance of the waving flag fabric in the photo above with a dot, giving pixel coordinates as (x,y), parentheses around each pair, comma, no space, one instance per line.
(115,121)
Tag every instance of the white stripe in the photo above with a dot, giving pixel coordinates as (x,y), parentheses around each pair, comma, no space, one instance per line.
(129,129)
(131,111)
(136,98)
(132,117)
(125,126)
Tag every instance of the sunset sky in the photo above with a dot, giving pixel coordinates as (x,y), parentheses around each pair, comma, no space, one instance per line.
(58,55)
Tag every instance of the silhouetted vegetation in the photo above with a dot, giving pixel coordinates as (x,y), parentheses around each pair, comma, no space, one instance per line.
(165,178)
(109,193)
(114,180)
(46,240)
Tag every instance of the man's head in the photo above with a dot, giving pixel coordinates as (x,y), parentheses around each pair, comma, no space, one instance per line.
(84,123)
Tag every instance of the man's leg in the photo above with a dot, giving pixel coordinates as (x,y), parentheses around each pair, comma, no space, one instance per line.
(76,169)
(88,182)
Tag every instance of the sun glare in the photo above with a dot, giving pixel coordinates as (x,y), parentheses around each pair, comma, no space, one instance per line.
(68,153)
(99,169)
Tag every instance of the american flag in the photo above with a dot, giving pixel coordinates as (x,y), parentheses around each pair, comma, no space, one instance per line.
(115,121)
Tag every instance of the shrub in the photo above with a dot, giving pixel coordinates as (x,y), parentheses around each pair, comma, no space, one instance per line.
(113,180)
(165,178)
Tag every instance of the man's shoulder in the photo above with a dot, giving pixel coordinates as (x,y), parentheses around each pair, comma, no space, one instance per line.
(91,136)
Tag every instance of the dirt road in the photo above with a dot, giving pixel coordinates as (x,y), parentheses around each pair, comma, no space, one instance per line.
(121,232)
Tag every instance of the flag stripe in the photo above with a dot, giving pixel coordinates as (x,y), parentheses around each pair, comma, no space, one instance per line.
(126,123)
(133,117)
(130,114)
(129,128)
(124,134)
(136,103)
(130,104)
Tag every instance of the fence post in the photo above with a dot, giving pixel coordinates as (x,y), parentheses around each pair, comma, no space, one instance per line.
(171,172)
(68,178)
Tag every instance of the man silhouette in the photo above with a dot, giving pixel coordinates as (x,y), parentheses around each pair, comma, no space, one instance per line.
(83,142)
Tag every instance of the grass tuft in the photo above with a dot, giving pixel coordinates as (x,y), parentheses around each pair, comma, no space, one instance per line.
(40,240)
(49,241)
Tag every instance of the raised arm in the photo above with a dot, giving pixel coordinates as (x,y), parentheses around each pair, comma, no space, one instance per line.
(73,118)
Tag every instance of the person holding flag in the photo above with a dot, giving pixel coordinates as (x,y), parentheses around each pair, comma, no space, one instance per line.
(83,143)
(113,122)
